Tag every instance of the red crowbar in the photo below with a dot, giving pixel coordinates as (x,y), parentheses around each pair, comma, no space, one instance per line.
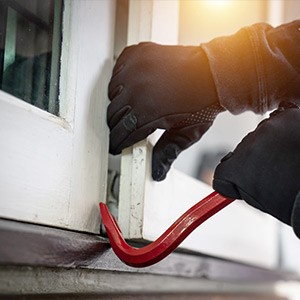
(169,240)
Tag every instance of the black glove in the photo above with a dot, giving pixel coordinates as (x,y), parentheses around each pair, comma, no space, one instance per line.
(167,87)
(264,169)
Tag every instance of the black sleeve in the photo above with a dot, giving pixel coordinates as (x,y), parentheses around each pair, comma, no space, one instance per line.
(257,67)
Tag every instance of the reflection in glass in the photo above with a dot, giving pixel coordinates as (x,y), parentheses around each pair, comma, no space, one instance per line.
(30,40)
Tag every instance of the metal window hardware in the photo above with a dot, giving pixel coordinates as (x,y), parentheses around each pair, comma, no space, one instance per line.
(113,187)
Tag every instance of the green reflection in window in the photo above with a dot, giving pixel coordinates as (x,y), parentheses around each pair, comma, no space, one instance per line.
(30,40)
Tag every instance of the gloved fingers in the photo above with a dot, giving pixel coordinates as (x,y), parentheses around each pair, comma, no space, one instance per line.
(118,108)
(128,127)
(114,119)
(117,135)
(171,144)
(125,133)
(264,168)
(114,89)
(115,85)
(224,185)
(123,58)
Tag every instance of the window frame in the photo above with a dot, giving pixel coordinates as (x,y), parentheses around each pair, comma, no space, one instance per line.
(54,169)
(53,31)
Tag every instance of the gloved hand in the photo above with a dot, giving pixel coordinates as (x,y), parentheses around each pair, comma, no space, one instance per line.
(264,169)
(166,87)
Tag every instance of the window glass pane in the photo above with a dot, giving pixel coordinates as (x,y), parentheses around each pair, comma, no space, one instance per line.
(30,41)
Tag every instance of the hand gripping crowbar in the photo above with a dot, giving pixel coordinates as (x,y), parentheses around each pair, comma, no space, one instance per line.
(169,240)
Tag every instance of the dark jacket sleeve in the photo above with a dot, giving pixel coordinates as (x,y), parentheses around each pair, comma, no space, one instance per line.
(257,67)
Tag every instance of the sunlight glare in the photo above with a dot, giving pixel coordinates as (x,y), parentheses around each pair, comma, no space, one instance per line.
(217,3)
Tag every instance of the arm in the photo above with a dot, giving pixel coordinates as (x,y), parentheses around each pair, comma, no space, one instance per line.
(257,67)
(182,89)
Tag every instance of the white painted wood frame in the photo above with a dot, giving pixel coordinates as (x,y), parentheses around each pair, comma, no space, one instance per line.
(147,208)
(53,169)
